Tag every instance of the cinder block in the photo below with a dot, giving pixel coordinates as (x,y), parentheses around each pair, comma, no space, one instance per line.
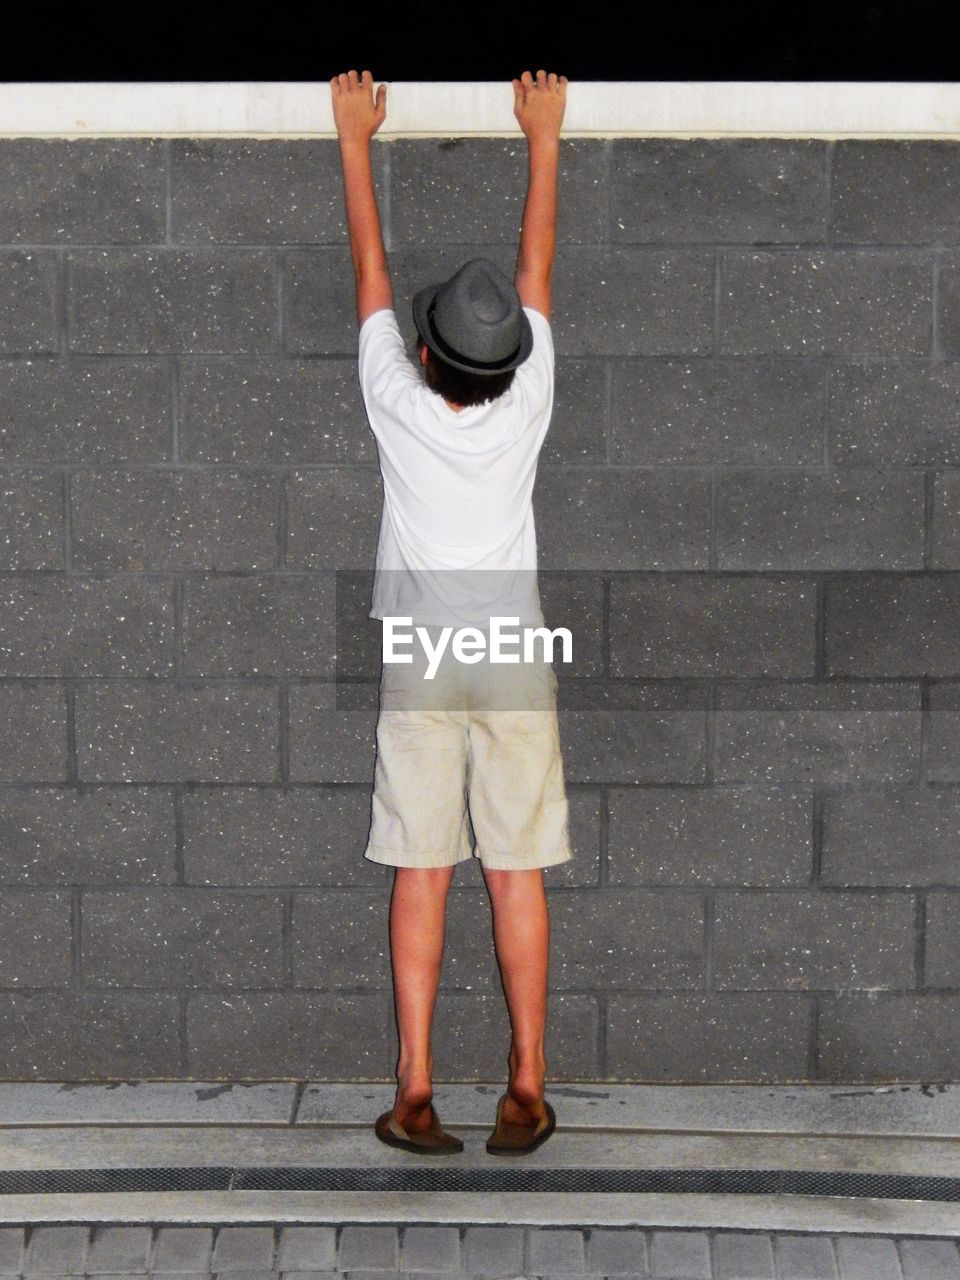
(554,1250)
(249,836)
(166,731)
(31,520)
(472,1037)
(92,411)
(592,520)
(886,412)
(632,301)
(895,190)
(243,1249)
(169,520)
(356,953)
(118,1249)
(35,939)
(899,836)
(863,1037)
(257,191)
(106,190)
(943,742)
(429,177)
(33,732)
(183,1249)
(56,1250)
(493,1251)
(681,1255)
(805,1257)
(689,835)
(307,1249)
(929,1259)
(169,300)
(721,412)
(29,291)
(370,1248)
(815,732)
(578,424)
(743,1255)
(290,1033)
(633,746)
(826,302)
(314,409)
(430,1249)
(67,1035)
(76,627)
(811,520)
(333,518)
(692,625)
(182,937)
(808,939)
(258,626)
(880,625)
(627,937)
(715,190)
(67,837)
(868,1258)
(614,1252)
(319,302)
(329,740)
(946,520)
(942,956)
(675,1035)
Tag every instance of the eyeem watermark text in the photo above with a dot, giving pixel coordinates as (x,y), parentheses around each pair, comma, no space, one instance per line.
(471,644)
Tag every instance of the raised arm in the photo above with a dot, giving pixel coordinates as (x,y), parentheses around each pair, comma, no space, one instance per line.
(539,105)
(358,116)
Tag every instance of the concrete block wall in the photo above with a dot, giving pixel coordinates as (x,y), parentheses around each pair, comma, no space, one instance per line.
(747,506)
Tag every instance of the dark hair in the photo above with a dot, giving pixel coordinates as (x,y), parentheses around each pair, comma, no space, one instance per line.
(458,385)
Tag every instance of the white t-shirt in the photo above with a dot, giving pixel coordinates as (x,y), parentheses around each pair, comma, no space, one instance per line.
(457,540)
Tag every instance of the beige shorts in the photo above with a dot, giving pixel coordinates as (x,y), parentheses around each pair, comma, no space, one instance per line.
(469,765)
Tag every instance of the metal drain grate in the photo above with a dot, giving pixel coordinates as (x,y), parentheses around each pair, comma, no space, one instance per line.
(812,1182)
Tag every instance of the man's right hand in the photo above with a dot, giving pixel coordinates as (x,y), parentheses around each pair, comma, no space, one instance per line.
(539,104)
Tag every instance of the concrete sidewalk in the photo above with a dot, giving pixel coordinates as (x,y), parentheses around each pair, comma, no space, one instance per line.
(159,1135)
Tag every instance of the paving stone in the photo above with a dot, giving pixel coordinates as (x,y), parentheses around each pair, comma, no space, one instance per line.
(680,1255)
(616,1252)
(368,1248)
(57,1250)
(929,1259)
(114,1249)
(183,1249)
(493,1251)
(430,1249)
(243,1249)
(805,1257)
(743,1255)
(307,1249)
(868,1258)
(554,1250)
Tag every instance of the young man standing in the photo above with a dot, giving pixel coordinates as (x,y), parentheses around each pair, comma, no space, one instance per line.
(458,449)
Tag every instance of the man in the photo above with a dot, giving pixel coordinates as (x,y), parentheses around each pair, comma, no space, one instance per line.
(458,449)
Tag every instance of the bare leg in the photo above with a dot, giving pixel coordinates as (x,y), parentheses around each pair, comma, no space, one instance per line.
(417,922)
(521,932)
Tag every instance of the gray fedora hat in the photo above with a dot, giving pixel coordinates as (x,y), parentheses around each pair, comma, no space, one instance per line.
(474,321)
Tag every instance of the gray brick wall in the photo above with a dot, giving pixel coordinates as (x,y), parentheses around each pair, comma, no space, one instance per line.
(747,510)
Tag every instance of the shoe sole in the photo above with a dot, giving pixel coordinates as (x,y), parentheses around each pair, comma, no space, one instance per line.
(496,1150)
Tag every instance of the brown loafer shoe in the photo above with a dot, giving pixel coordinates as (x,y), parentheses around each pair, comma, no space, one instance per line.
(518,1139)
(433,1141)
